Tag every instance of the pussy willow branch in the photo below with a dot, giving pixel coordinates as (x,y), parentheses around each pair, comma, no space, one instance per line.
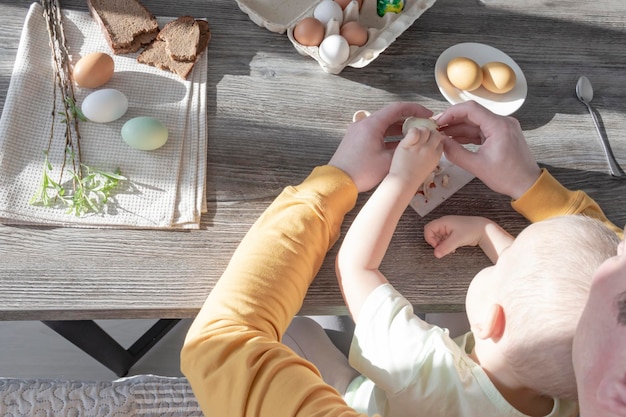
(62,74)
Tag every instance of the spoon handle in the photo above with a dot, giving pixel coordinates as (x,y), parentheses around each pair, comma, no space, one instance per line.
(614,167)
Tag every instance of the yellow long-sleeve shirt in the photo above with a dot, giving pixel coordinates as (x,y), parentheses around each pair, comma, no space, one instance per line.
(232,355)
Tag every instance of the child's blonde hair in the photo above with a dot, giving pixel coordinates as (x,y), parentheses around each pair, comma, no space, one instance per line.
(542,308)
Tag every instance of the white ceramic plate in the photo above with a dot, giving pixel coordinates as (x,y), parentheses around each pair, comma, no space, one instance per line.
(502,104)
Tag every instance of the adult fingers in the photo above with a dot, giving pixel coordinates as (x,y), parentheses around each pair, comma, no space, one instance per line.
(464,133)
(469,111)
(460,156)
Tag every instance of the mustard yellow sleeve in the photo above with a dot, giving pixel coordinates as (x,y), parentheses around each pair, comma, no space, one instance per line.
(549,198)
(232,355)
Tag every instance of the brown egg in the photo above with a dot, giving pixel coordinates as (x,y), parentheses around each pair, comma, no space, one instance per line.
(309,32)
(93,70)
(354,32)
(344,3)
(498,77)
(464,73)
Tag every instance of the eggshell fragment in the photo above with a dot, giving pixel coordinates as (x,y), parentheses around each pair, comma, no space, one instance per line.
(106,105)
(464,73)
(360,115)
(309,31)
(93,70)
(354,32)
(498,77)
(144,133)
(334,50)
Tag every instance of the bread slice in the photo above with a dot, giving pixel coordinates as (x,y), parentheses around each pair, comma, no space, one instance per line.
(181,38)
(157,55)
(127,25)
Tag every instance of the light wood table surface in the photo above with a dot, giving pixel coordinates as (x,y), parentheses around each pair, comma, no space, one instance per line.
(273,115)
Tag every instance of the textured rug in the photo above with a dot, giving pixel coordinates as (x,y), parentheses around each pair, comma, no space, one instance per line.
(141,395)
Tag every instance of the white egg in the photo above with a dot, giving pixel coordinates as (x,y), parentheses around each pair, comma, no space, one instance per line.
(106,105)
(327,10)
(334,50)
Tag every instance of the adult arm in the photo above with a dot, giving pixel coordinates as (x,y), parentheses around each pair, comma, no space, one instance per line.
(547,197)
(505,164)
(232,355)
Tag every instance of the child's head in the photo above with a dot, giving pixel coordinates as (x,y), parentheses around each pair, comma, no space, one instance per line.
(539,287)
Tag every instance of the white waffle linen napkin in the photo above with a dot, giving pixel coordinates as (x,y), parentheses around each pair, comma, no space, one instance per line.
(165,187)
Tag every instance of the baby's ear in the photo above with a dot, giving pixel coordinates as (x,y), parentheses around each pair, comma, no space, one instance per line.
(612,393)
(492,324)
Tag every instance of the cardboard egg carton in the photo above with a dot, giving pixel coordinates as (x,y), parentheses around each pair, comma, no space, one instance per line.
(282,16)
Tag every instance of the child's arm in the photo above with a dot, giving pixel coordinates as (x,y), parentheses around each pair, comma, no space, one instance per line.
(450,232)
(368,238)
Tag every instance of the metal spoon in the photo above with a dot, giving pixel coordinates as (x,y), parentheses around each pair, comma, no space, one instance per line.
(584,92)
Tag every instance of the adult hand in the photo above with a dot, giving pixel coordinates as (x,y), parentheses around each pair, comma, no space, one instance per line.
(503,161)
(363,153)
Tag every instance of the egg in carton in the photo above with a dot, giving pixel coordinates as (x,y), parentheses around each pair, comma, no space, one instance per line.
(334,53)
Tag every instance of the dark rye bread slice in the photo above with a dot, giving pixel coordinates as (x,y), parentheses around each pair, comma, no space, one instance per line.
(157,55)
(181,38)
(127,25)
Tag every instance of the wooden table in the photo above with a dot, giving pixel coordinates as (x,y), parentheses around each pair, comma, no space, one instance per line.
(273,115)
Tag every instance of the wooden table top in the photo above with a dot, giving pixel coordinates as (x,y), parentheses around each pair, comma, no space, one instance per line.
(273,115)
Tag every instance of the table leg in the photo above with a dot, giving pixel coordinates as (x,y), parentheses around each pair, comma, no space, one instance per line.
(93,340)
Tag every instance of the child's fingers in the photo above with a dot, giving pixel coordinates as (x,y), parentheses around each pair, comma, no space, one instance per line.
(446,246)
(432,236)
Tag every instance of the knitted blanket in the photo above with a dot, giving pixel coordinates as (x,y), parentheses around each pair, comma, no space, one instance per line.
(141,395)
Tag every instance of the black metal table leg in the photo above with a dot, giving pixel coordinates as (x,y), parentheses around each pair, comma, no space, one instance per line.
(93,340)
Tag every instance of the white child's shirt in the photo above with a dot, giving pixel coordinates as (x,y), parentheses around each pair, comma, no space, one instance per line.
(412,368)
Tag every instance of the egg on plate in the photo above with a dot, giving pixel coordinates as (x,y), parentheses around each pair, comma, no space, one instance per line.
(498,77)
(464,73)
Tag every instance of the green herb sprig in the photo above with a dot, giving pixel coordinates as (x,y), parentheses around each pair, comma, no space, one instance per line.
(90,188)
(89,193)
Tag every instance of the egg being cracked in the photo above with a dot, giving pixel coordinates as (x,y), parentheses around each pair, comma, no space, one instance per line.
(419,122)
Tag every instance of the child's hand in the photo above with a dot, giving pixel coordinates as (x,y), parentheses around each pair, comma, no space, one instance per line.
(416,156)
(363,153)
(450,232)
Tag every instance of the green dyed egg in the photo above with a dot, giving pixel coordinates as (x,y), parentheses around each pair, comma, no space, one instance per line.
(144,133)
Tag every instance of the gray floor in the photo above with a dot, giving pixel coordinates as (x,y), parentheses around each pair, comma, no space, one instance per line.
(29,349)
